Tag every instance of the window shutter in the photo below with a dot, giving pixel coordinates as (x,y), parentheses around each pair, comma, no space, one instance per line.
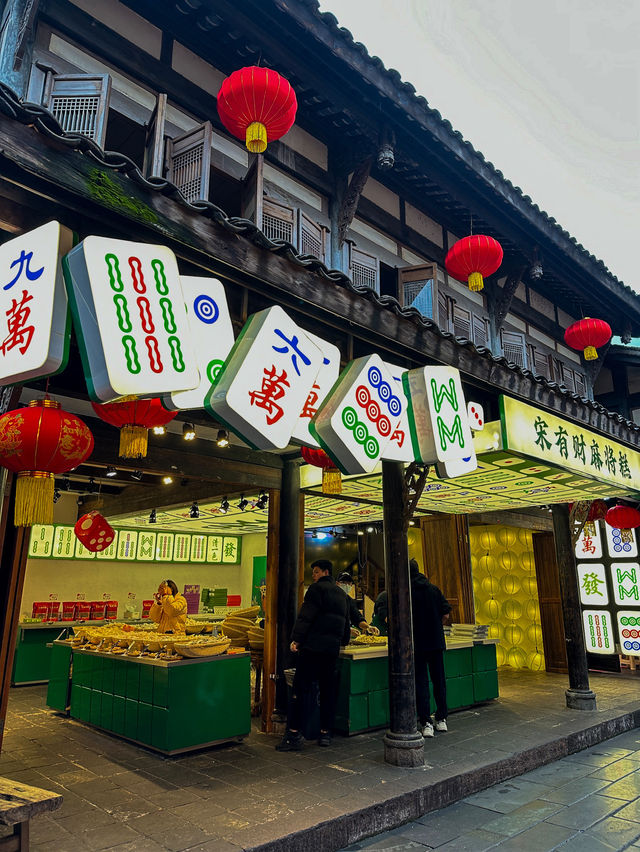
(540,363)
(311,237)
(153,165)
(417,288)
(461,322)
(278,221)
(567,377)
(581,384)
(514,347)
(365,269)
(80,103)
(480,330)
(443,312)
(189,162)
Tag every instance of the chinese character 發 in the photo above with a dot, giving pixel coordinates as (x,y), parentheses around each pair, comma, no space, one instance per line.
(590,583)
(273,389)
(596,458)
(561,443)
(20,333)
(579,447)
(541,427)
(230,549)
(610,460)
(625,471)
(311,404)
(24,260)
(293,343)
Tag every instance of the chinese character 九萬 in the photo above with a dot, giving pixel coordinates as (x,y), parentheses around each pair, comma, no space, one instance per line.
(20,333)
(24,261)
(273,389)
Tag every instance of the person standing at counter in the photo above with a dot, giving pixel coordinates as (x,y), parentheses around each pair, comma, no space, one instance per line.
(430,609)
(321,627)
(169,609)
(345,582)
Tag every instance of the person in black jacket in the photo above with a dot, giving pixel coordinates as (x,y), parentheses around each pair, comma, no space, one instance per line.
(321,628)
(345,582)
(430,609)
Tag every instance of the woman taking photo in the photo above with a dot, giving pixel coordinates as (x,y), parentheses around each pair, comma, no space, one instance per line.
(169,609)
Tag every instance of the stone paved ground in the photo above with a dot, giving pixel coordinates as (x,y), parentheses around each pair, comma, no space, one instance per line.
(589,802)
(121,797)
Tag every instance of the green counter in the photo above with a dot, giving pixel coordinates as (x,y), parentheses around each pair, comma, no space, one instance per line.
(171,707)
(363,691)
(32,656)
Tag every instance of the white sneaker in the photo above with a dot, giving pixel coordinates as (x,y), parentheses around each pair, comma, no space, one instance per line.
(427,731)
(441,725)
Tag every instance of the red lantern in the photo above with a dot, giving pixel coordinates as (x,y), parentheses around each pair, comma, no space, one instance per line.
(588,334)
(94,531)
(625,519)
(257,105)
(134,417)
(37,443)
(331,476)
(472,258)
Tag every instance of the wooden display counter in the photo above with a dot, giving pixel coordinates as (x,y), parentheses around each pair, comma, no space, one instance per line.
(171,707)
(363,689)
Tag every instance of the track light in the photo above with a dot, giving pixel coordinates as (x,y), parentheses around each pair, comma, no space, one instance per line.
(56,495)
(159,430)
(314,534)
(111,471)
(224,506)
(223,438)
(263,499)
(167,480)
(66,483)
(242,505)
(194,511)
(92,487)
(152,516)
(137,475)
(188,431)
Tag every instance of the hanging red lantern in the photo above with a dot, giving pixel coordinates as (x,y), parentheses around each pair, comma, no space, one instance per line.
(134,417)
(588,334)
(625,519)
(331,476)
(257,105)
(94,532)
(473,258)
(37,443)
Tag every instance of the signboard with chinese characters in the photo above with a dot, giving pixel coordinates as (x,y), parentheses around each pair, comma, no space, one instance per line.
(211,334)
(399,447)
(266,380)
(598,632)
(129,315)
(34,327)
(325,380)
(438,419)
(542,435)
(356,420)
(230,550)
(592,582)
(629,632)
(589,543)
(214,548)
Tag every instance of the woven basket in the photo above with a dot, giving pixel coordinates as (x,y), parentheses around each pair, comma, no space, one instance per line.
(212,649)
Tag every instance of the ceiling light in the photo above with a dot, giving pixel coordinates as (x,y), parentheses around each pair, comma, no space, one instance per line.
(159,430)
(56,495)
(152,516)
(371,529)
(343,536)
(263,499)
(137,475)
(194,511)
(314,534)
(242,505)
(412,523)
(167,480)
(188,431)
(360,532)
(223,438)
(224,506)
(111,471)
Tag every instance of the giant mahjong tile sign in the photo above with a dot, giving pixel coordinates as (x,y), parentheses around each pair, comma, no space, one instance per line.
(129,313)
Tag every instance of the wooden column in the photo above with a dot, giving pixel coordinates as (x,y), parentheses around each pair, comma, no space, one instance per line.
(403,744)
(271,613)
(579,695)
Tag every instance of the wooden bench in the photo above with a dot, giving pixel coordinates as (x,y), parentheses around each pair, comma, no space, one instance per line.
(18,803)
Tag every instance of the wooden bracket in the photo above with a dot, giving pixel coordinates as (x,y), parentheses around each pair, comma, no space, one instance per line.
(352,197)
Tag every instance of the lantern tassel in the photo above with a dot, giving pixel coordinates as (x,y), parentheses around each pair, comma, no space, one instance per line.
(475,281)
(590,353)
(34,498)
(256,137)
(331,481)
(133,442)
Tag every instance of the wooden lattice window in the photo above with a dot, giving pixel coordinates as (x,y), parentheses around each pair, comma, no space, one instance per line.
(364,269)
(514,347)
(541,363)
(278,221)
(581,383)
(189,162)
(80,103)
(310,237)
(461,322)
(417,288)
(480,330)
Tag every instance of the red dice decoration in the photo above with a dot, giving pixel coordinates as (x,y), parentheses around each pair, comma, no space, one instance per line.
(94,532)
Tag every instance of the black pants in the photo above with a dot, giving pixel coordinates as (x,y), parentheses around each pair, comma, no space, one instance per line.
(312,666)
(430,663)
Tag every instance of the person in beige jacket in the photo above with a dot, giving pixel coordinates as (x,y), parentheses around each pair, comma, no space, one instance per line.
(169,609)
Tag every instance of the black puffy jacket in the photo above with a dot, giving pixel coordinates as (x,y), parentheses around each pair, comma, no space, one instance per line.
(428,605)
(322,624)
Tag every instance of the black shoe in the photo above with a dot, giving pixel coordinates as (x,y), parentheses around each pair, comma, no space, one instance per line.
(324,739)
(291,742)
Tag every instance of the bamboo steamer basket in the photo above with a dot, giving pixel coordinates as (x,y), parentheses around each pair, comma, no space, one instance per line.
(202,649)
(247,612)
(234,632)
(239,621)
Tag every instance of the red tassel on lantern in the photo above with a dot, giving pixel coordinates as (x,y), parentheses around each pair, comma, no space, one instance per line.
(134,417)
(588,334)
(331,476)
(625,519)
(94,531)
(472,258)
(37,443)
(257,105)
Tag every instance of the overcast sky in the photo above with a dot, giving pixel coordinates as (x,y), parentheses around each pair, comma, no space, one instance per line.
(548,91)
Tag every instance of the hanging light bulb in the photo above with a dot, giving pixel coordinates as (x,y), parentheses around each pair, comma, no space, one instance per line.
(159,430)
(167,480)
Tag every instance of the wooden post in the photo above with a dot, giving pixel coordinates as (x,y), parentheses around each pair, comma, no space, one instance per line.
(403,743)
(579,695)
(271,613)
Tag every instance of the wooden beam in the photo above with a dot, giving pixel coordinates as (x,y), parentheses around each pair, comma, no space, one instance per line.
(136,499)
(524,520)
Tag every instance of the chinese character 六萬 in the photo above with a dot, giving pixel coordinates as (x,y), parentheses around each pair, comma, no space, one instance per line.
(596,458)
(561,443)
(590,583)
(24,260)
(273,389)
(310,406)
(579,447)
(20,333)
(541,427)
(610,460)
(293,343)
